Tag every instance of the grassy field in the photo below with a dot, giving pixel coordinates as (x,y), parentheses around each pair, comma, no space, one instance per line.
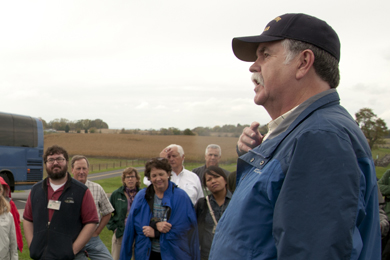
(128,146)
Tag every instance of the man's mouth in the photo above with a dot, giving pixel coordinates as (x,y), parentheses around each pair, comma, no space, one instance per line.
(257,79)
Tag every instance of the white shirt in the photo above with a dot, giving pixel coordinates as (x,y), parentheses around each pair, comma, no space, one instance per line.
(187,181)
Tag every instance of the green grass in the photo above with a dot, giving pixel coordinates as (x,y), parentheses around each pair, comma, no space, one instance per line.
(380,171)
(379,153)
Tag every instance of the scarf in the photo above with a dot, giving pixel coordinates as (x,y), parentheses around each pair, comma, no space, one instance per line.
(131,194)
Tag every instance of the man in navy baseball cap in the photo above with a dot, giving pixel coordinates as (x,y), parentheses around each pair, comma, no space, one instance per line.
(307,189)
(300,27)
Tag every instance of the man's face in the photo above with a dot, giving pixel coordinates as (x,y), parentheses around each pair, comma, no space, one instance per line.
(212,157)
(275,74)
(174,158)
(56,166)
(80,170)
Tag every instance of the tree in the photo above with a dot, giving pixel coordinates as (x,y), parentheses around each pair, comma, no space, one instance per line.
(187,131)
(67,128)
(373,127)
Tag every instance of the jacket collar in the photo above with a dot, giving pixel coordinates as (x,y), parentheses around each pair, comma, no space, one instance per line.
(149,195)
(304,110)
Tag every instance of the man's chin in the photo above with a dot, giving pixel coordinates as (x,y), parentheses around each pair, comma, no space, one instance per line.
(56,175)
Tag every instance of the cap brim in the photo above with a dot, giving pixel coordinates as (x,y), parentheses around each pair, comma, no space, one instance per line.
(245,47)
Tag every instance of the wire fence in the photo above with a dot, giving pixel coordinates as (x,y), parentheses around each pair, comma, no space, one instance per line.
(115,165)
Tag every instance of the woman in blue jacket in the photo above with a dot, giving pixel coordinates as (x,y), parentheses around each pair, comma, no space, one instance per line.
(162,219)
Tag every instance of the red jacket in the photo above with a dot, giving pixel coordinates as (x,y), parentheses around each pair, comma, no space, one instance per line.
(15,214)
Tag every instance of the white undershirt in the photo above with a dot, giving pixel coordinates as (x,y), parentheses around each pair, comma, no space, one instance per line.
(275,123)
(56,187)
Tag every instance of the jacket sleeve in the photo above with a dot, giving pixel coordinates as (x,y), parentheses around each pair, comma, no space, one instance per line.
(111,225)
(184,224)
(129,234)
(384,184)
(13,247)
(316,214)
(15,214)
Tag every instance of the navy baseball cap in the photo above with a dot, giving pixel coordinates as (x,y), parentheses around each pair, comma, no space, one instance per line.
(301,27)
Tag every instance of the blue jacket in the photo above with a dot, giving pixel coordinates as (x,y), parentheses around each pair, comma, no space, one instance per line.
(181,242)
(308,192)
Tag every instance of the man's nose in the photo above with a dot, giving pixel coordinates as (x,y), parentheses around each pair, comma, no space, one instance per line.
(255,67)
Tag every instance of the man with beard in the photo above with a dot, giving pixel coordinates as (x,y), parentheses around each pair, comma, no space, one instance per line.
(60,214)
(307,189)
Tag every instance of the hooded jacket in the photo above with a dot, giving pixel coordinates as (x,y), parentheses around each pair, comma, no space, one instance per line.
(15,214)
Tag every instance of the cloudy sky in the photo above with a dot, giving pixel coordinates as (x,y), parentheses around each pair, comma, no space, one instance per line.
(168,63)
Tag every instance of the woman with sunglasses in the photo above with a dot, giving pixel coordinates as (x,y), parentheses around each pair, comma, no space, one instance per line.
(162,220)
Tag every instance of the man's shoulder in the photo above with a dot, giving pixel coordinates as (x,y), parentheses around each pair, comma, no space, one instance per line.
(118,191)
(38,185)
(199,169)
(225,171)
(76,184)
(332,119)
(91,185)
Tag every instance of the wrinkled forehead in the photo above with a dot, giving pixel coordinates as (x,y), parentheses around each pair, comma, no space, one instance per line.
(213,151)
(81,162)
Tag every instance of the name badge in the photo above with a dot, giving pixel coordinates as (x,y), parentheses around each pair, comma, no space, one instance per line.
(54,204)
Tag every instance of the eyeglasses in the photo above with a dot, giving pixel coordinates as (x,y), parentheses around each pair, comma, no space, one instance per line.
(59,160)
(130,177)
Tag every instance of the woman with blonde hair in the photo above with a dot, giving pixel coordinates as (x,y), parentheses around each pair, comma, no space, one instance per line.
(8,245)
(122,199)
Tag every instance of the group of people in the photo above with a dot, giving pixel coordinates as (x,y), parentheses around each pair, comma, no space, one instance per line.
(162,222)
(305,190)
(170,219)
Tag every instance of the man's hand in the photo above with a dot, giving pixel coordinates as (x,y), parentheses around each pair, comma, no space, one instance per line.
(83,237)
(250,138)
(148,231)
(163,226)
(165,152)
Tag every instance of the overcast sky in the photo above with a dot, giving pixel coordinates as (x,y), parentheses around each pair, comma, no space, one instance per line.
(168,63)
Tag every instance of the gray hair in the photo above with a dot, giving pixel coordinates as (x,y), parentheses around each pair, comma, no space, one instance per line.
(214,146)
(179,149)
(77,158)
(325,65)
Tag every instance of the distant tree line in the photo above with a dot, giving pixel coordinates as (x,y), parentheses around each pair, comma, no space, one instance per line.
(66,125)
(225,130)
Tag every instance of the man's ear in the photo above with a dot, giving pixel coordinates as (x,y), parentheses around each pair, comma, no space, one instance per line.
(305,63)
